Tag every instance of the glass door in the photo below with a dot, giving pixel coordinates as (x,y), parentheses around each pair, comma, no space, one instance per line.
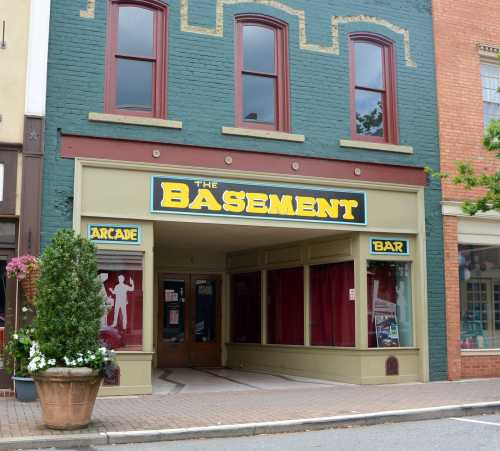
(189,321)
(205,320)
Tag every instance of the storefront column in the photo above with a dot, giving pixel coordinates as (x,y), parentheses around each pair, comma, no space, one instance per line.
(361,311)
(148,299)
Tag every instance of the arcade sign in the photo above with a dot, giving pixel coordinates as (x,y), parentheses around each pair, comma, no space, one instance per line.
(244,199)
(114,234)
(389,246)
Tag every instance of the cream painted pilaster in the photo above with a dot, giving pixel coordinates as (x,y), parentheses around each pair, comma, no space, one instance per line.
(420,302)
(361,310)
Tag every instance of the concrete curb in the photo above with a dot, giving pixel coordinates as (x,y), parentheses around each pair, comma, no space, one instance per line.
(249,429)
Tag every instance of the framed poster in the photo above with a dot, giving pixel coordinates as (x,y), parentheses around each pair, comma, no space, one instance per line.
(387,331)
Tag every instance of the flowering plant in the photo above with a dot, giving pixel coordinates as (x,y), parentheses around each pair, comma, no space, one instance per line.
(20,267)
(100,360)
(18,350)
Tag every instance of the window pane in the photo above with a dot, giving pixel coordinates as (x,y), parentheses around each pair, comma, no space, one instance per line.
(259,98)
(258,49)
(134,84)
(205,311)
(135,31)
(479,272)
(174,310)
(121,324)
(246,308)
(332,308)
(390,321)
(368,64)
(490,78)
(285,306)
(369,113)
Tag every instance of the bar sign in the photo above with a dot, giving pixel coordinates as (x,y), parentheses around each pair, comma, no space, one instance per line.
(389,246)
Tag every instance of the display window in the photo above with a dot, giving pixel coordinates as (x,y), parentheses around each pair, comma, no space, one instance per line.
(479,273)
(390,317)
(246,307)
(332,305)
(285,306)
(122,322)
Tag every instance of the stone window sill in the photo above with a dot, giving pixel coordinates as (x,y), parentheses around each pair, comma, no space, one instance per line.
(135,120)
(479,352)
(367,145)
(264,134)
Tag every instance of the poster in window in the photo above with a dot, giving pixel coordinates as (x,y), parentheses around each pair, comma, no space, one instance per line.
(121,323)
(387,331)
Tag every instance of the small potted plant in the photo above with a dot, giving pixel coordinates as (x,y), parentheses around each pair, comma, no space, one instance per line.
(67,360)
(26,270)
(18,351)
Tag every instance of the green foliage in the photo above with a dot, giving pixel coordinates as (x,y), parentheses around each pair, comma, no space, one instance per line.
(18,351)
(69,305)
(468,178)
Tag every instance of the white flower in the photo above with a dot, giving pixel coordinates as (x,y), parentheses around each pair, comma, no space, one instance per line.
(24,309)
(79,360)
(15,336)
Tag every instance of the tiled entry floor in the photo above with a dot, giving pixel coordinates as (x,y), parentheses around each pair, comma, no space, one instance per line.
(213,380)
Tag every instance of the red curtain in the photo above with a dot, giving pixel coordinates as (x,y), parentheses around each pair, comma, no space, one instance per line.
(332,313)
(382,284)
(285,306)
(246,308)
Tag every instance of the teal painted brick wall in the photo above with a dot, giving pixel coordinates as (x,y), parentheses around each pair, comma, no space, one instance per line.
(200,93)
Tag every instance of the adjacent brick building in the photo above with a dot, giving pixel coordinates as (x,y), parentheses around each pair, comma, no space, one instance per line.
(467,40)
(185,174)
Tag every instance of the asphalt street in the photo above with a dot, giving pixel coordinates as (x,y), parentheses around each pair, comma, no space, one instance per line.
(470,433)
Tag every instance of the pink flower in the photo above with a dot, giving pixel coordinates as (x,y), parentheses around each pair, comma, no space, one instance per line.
(20,267)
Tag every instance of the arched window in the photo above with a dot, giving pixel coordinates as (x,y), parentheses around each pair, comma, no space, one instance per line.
(261,85)
(373,88)
(136,70)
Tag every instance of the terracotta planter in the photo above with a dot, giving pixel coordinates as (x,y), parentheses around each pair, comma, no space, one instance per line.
(67,396)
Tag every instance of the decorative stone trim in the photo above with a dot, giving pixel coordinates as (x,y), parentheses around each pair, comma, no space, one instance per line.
(488,50)
(367,145)
(337,20)
(479,352)
(334,49)
(265,134)
(134,120)
(89,13)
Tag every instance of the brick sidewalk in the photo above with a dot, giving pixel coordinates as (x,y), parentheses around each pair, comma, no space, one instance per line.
(223,408)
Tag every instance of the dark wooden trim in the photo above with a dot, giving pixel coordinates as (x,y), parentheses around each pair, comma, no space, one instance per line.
(213,158)
(11,147)
(8,157)
(31,194)
(282,106)
(160,41)
(389,92)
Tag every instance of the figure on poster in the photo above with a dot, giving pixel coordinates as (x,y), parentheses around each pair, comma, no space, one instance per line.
(107,301)
(120,291)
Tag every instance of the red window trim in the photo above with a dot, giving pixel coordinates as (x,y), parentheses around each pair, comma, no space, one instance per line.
(282,107)
(391,129)
(159,100)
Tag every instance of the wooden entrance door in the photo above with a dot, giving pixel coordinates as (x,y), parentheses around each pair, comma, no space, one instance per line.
(189,317)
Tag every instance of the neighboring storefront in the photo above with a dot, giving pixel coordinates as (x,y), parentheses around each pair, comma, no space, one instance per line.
(468,37)
(23,48)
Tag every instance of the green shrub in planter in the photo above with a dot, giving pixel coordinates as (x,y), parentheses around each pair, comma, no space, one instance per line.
(69,306)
